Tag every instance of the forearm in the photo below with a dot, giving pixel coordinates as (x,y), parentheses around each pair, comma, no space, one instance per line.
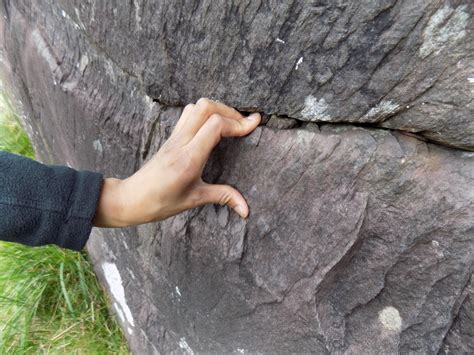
(42,204)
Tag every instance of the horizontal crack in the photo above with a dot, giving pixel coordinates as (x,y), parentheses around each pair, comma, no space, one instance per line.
(301,124)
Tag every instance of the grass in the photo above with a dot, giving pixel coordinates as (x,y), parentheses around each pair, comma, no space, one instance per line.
(50,300)
(13,138)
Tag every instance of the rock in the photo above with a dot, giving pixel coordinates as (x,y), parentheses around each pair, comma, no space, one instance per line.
(399,64)
(281,122)
(460,338)
(360,238)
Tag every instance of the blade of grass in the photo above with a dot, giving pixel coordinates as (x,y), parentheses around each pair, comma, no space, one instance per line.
(63,288)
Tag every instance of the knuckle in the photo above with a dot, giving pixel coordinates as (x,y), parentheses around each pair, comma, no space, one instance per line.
(204,103)
(188,107)
(241,125)
(225,197)
(215,121)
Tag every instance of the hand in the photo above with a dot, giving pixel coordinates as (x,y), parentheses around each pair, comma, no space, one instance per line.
(170,182)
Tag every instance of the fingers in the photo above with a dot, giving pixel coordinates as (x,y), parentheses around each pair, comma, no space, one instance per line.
(185,116)
(194,116)
(217,127)
(223,195)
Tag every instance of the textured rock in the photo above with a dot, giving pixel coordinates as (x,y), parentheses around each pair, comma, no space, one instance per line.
(360,239)
(400,64)
(281,122)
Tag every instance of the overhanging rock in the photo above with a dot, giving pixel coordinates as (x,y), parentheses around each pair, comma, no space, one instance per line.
(360,238)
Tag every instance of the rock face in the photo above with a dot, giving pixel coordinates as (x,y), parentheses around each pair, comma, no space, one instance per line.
(360,238)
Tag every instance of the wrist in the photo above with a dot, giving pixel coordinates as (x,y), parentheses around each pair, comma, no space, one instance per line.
(110,210)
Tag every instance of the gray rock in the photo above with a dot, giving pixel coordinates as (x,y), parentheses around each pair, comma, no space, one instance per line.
(400,64)
(281,122)
(360,239)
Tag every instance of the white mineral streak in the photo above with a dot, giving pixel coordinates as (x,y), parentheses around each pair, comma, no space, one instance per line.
(390,319)
(298,63)
(381,111)
(83,63)
(67,17)
(119,312)
(178,292)
(131,273)
(279,40)
(78,15)
(315,110)
(114,280)
(185,347)
(44,50)
(138,19)
(447,25)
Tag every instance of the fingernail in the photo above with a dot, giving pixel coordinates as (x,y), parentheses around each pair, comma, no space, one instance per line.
(254,116)
(241,211)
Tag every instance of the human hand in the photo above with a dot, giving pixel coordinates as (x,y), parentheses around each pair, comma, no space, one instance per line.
(170,182)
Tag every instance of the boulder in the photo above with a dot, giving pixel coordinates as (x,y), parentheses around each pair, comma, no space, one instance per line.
(360,238)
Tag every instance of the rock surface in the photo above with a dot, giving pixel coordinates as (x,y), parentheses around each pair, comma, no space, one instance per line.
(360,238)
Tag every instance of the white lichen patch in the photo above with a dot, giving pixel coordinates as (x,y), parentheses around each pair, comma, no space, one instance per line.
(98,146)
(390,319)
(109,70)
(114,280)
(447,25)
(381,111)
(315,110)
(298,63)
(437,249)
(185,347)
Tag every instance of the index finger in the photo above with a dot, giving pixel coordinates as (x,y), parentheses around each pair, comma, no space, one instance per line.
(193,119)
(218,127)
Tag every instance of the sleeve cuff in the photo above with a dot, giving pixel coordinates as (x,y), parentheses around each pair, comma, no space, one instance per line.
(82,208)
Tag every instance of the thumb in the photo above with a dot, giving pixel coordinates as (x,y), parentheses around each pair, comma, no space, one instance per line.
(224,195)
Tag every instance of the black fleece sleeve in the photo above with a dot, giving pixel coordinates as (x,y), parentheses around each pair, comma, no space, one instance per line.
(42,204)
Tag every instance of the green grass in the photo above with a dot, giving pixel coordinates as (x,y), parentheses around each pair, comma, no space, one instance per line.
(50,300)
(13,138)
